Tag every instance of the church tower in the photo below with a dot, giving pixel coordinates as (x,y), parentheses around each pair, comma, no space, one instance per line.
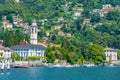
(33,33)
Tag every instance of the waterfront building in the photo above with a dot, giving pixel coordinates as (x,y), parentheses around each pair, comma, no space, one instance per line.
(30,49)
(25,50)
(5,52)
(111,54)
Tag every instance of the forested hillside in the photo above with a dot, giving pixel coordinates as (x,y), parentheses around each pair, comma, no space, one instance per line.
(86,41)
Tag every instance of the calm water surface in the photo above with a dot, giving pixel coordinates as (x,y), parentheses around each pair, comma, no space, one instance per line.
(80,73)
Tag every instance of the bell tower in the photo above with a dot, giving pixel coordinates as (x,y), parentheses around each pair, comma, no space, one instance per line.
(33,33)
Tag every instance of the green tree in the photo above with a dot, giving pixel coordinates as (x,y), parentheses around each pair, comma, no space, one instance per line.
(78,23)
(113,15)
(15,56)
(86,13)
(50,57)
(95,18)
(95,53)
(118,54)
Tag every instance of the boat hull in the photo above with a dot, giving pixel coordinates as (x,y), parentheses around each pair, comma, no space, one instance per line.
(21,66)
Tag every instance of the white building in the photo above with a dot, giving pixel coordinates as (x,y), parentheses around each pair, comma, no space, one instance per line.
(107,6)
(5,52)
(111,54)
(68,35)
(77,14)
(60,19)
(33,49)
(29,50)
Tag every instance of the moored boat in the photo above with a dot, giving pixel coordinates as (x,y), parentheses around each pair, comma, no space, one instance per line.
(21,66)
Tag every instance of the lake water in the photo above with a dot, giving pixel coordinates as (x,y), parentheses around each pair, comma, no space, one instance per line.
(76,73)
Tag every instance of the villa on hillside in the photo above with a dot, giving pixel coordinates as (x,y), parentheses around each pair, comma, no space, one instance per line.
(61,33)
(77,14)
(60,19)
(16,20)
(57,27)
(6,24)
(77,9)
(86,21)
(105,9)
(25,50)
(68,35)
(111,54)
(33,49)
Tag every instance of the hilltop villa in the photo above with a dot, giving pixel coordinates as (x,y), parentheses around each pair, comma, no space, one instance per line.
(33,49)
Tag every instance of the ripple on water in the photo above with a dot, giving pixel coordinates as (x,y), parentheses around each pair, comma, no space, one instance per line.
(76,73)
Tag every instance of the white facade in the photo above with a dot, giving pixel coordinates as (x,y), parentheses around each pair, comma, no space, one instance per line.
(107,6)
(77,14)
(29,50)
(4,51)
(33,33)
(111,54)
(7,53)
(61,19)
